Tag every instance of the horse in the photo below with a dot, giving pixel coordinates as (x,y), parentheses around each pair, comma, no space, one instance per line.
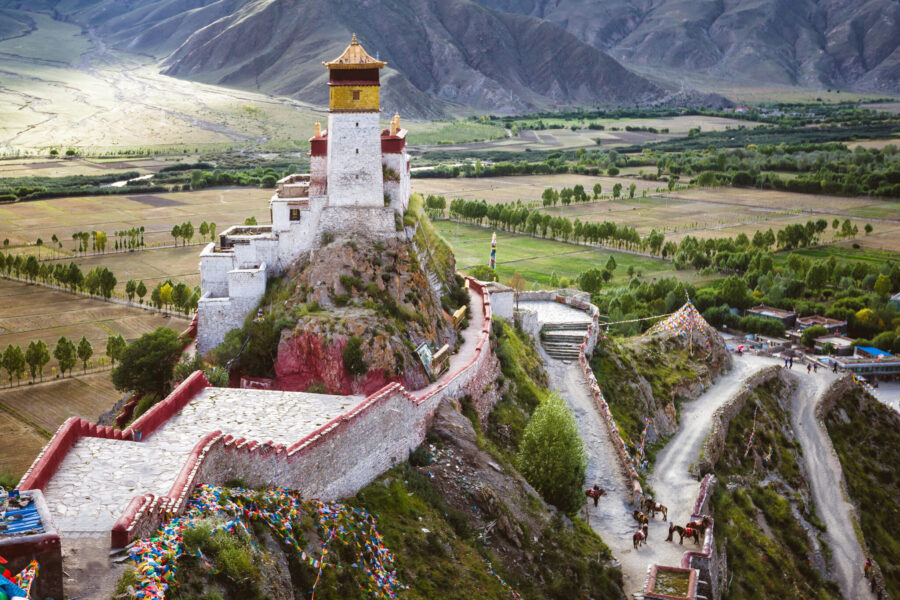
(700,525)
(673,528)
(689,532)
(640,537)
(640,517)
(656,507)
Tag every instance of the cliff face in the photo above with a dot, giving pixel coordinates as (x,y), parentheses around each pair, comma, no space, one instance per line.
(374,294)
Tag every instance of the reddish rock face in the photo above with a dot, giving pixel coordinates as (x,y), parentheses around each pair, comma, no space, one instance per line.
(304,360)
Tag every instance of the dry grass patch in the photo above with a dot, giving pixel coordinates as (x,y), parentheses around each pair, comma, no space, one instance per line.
(21,445)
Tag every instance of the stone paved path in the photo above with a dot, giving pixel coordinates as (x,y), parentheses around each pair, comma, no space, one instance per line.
(99,477)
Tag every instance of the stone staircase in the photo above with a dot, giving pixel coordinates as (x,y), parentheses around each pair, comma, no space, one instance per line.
(562,340)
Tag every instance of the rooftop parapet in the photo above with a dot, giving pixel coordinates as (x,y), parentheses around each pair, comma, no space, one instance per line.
(293,186)
(242,234)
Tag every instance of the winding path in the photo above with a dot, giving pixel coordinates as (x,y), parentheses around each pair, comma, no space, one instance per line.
(826,480)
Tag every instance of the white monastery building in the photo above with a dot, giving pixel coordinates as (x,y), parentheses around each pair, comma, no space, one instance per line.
(358,183)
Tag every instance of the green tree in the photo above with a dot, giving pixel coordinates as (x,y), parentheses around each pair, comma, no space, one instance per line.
(353,357)
(817,276)
(631,189)
(250,221)
(147,364)
(37,356)
(598,189)
(187,232)
(13,362)
(141,291)
(882,286)
(611,264)
(551,455)
(617,190)
(115,346)
(176,233)
(130,289)
(64,353)
(165,294)
(85,351)
(212,231)
(203,230)
(869,228)
(591,281)
(809,335)
(107,282)
(733,292)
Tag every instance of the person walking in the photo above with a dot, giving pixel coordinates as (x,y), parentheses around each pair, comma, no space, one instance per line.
(808,368)
(791,363)
(815,367)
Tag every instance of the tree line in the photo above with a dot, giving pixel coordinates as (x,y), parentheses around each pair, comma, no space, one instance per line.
(67,353)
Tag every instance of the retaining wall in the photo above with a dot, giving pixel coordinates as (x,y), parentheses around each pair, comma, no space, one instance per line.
(336,460)
(706,560)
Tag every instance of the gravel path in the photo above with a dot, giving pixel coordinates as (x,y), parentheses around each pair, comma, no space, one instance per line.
(671,480)
(826,476)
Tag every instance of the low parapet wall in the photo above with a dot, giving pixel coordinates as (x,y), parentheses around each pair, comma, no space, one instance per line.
(336,460)
(705,560)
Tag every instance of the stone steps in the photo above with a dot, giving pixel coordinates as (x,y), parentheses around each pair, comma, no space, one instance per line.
(573,326)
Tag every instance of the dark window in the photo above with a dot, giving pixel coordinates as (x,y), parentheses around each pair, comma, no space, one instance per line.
(295,214)
(356,94)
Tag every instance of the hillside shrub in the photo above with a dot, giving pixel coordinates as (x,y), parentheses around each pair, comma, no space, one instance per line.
(552,457)
(354,362)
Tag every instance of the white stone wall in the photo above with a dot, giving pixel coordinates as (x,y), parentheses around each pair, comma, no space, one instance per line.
(318,175)
(394,189)
(354,160)
(214,267)
(302,236)
(379,223)
(503,304)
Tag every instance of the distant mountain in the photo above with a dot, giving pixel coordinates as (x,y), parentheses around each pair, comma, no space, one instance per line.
(442,54)
(845,44)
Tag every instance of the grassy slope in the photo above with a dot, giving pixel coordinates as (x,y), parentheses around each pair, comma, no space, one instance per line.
(767,546)
(866,436)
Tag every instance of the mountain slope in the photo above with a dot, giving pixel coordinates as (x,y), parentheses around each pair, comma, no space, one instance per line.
(836,43)
(442,54)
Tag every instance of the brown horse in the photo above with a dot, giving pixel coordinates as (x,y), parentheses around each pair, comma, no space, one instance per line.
(657,507)
(673,528)
(700,525)
(640,517)
(690,532)
(640,537)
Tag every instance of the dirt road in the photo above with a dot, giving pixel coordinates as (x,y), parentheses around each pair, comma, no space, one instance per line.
(671,480)
(825,478)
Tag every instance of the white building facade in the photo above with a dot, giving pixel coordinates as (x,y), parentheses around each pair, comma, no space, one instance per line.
(358,183)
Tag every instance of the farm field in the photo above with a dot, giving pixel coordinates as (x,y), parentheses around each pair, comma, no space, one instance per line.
(42,408)
(566,139)
(181,264)
(32,312)
(50,167)
(527,188)
(24,222)
(538,259)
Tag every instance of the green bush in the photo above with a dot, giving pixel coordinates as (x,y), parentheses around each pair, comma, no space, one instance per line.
(552,457)
(354,362)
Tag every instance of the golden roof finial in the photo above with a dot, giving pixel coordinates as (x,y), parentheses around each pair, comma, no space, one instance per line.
(353,41)
(354,57)
(318,132)
(395,124)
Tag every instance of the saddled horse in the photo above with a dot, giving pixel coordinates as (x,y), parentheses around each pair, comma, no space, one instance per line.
(700,525)
(640,537)
(651,507)
(673,528)
(690,532)
(640,517)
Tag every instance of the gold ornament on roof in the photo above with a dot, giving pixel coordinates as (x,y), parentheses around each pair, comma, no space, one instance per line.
(354,57)
(318,132)
(395,124)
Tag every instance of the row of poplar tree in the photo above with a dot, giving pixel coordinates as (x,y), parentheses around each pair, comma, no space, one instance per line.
(35,357)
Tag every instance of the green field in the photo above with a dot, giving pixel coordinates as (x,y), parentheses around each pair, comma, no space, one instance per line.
(538,259)
(842,253)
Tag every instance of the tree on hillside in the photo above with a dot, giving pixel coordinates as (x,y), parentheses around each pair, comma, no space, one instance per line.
(551,455)
(37,356)
(85,351)
(13,362)
(484,273)
(147,364)
(141,291)
(115,346)
(354,357)
(64,353)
